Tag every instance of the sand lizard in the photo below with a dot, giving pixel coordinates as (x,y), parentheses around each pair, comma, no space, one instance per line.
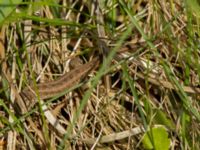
(53,88)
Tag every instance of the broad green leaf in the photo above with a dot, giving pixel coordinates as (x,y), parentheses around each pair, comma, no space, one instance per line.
(7,7)
(162,119)
(157,139)
(194,6)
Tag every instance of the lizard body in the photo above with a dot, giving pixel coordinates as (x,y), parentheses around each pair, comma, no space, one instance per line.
(53,88)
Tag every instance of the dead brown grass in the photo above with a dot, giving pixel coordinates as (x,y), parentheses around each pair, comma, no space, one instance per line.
(34,49)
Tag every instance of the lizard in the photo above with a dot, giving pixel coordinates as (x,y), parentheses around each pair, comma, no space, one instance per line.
(29,95)
(53,88)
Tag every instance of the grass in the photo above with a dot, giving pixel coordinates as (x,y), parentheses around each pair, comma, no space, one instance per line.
(144,94)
